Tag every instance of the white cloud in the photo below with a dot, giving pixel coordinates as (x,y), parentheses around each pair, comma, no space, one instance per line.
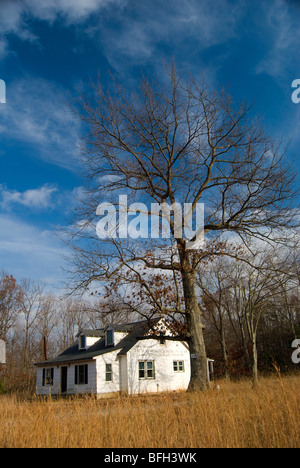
(36,113)
(29,252)
(140,28)
(140,31)
(73,10)
(14,15)
(40,198)
(12,22)
(281,27)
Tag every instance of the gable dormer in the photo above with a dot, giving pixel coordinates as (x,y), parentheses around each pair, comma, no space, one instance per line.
(86,338)
(114,334)
(109,337)
(82,341)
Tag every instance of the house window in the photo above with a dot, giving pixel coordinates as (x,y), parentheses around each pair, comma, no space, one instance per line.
(146,370)
(82,341)
(108,373)
(48,375)
(81,374)
(178,366)
(109,338)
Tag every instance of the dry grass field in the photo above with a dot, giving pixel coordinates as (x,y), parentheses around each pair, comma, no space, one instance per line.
(236,416)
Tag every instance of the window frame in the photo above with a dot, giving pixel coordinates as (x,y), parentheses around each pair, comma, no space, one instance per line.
(48,380)
(108,372)
(81,374)
(109,333)
(178,366)
(82,342)
(146,370)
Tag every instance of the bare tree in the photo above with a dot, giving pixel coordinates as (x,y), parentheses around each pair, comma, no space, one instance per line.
(32,305)
(214,286)
(176,142)
(72,315)
(46,325)
(246,293)
(110,309)
(256,290)
(10,295)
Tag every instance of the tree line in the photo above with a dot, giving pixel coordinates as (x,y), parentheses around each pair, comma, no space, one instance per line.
(250,311)
(37,324)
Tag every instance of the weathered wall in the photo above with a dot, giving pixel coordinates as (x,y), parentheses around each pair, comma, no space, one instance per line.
(163,356)
(71,387)
(104,387)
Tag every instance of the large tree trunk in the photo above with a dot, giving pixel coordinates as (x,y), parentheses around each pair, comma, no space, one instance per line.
(199,375)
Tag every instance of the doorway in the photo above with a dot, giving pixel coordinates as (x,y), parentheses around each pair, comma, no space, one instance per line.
(63,379)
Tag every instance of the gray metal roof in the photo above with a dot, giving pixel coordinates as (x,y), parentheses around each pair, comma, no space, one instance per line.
(135,330)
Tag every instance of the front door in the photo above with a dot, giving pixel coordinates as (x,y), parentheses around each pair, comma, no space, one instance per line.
(64,379)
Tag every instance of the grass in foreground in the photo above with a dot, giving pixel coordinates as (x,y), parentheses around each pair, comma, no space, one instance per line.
(236,416)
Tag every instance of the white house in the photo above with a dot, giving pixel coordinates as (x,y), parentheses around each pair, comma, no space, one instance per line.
(133,358)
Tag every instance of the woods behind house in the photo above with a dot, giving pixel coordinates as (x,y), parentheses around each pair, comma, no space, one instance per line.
(251,318)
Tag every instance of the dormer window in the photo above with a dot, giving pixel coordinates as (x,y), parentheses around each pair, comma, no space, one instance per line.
(82,342)
(109,337)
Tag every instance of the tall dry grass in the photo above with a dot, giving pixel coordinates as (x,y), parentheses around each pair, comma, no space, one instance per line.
(237,416)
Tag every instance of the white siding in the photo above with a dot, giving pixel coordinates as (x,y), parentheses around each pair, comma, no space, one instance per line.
(90,387)
(118,336)
(163,356)
(90,340)
(123,373)
(47,390)
(101,361)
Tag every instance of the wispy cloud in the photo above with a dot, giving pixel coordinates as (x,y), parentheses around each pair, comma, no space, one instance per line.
(16,14)
(36,113)
(40,198)
(279,23)
(148,30)
(72,11)
(28,251)
(12,21)
(128,29)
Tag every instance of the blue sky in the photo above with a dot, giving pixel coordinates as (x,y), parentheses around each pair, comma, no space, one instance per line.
(49,49)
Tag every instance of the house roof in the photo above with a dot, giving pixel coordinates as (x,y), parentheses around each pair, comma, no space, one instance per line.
(135,331)
(125,327)
(93,333)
